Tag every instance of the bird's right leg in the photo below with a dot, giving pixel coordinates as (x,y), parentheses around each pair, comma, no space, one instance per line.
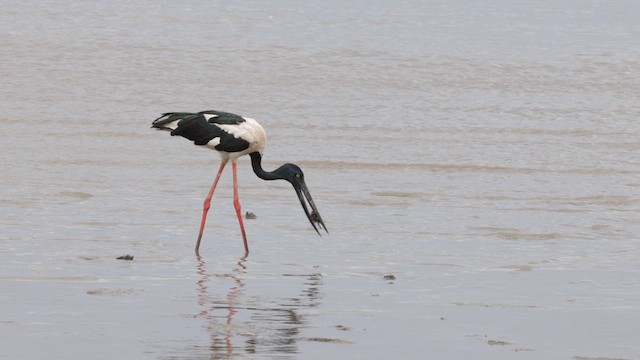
(236,204)
(207,204)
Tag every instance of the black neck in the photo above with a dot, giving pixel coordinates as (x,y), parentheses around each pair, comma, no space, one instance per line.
(256,163)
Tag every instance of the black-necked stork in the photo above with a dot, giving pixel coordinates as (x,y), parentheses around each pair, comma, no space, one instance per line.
(234,136)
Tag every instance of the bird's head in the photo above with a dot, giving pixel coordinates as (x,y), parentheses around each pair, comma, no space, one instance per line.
(294,175)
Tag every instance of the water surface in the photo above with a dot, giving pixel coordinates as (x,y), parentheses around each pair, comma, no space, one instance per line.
(485,155)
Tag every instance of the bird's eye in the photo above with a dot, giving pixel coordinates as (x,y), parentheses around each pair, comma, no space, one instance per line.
(298,175)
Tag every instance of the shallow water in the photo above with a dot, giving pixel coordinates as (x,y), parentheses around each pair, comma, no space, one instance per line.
(486,156)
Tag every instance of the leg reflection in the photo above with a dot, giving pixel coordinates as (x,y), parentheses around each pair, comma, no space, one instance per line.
(268,321)
(210,306)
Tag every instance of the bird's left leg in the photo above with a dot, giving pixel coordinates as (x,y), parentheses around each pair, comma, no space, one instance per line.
(207,205)
(236,204)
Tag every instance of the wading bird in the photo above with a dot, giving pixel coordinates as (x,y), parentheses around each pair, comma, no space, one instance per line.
(233,136)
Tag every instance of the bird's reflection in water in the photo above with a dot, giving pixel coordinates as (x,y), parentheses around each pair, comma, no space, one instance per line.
(240,323)
(220,335)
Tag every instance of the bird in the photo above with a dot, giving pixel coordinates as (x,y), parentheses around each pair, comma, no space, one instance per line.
(233,136)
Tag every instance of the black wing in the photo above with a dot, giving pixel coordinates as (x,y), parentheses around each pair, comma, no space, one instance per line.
(196,127)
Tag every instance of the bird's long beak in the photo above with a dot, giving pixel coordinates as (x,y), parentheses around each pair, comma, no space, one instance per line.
(314,216)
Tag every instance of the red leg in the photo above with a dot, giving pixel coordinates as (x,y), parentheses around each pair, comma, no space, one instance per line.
(236,204)
(207,204)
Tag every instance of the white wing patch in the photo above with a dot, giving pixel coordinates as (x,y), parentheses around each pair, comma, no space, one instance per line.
(249,130)
(213,143)
(172,125)
(209,116)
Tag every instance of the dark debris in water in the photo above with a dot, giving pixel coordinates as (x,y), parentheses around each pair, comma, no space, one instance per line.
(125,257)
(249,215)
(327,340)
(498,343)
(389,277)
(113,292)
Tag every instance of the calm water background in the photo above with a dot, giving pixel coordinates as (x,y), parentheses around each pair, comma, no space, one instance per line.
(486,154)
